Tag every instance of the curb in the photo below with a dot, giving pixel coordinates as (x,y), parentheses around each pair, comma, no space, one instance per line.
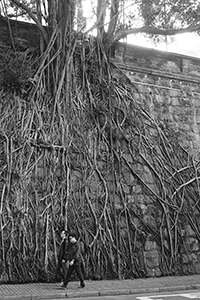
(110,292)
(131,291)
(176,288)
(34,297)
(114,292)
(82,294)
(144,290)
(17,297)
(48,296)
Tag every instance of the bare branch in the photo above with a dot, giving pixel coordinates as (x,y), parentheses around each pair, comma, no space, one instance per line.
(150,30)
(114,11)
(101,14)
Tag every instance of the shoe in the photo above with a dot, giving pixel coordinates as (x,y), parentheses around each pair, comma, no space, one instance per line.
(82,285)
(62,285)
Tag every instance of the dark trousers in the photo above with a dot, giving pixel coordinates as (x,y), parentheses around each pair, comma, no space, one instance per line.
(61,270)
(77,267)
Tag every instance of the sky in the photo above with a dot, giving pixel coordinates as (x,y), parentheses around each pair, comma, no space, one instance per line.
(186,43)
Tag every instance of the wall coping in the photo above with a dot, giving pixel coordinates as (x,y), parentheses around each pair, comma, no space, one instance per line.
(156,52)
(157,73)
(158,62)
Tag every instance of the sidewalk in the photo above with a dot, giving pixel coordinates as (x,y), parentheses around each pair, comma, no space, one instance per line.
(36,291)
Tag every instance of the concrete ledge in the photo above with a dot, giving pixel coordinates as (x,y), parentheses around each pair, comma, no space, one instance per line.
(17,297)
(114,292)
(34,297)
(169,75)
(81,294)
(48,296)
(196,286)
(191,287)
(144,290)
(174,288)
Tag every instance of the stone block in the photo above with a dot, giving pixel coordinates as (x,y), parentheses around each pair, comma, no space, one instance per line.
(125,188)
(136,189)
(148,79)
(193,245)
(148,178)
(184,127)
(196,103)
(130,199)
(159,98)
(165,82)
(190,93)
(128,157)
(136,96)
(174,93)
(197,268)
(152,259)
(149,246)
(128,178)
(144,89)
(175,101)
(177,85)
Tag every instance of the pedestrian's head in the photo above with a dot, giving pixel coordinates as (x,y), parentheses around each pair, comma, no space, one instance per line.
(63,234)
(72,237)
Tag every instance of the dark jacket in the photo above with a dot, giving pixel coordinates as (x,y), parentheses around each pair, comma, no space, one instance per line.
(63,250)
(73,252)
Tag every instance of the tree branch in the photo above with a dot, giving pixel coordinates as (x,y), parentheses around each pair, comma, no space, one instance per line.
(101,14)
(151,30)
(33,17)
(114,11)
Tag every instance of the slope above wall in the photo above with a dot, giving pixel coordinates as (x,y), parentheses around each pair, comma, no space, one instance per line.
(26,35)
(167,62)
(22,34)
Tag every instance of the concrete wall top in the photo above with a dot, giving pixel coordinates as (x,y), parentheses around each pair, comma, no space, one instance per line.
(26,35)
(23,34)
(132,56)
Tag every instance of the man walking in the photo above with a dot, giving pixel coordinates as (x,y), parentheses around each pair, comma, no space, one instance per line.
(62,265)
(73,255)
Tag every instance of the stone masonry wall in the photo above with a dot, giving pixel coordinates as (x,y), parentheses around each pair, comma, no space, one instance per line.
(168,86)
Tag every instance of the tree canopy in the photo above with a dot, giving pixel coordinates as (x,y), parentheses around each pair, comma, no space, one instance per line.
(116,18)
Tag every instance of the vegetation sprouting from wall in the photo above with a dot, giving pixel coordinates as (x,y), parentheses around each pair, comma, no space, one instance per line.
(78,151)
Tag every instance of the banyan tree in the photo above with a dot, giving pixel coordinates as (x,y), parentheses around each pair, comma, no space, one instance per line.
(78,151)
